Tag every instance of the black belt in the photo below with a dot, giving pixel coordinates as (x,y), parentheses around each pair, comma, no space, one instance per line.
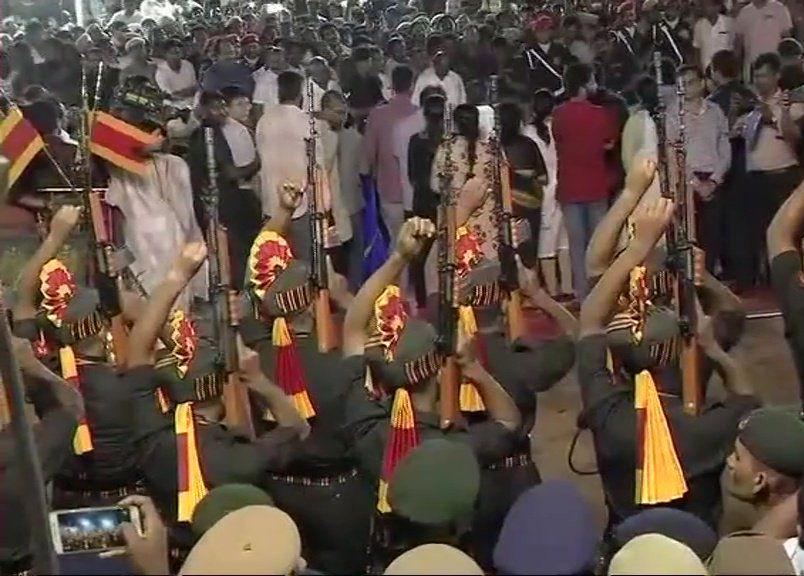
(511,462)
(118,493)
(321,481)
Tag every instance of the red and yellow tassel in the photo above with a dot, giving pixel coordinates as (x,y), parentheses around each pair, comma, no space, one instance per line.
(82,440)
(191,481)
(402,438)
(468,396)
(289,371)
(659,476)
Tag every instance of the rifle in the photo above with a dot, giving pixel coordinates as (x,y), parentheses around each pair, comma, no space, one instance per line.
(319,224)
(680,241)
(501,186)
(447,307)
(105,273)
(225,318)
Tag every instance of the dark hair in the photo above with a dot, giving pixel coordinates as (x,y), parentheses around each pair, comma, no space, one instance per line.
(724,62)
(401,79)
(689,68)
(172,43)
(510,121)
(769,59)
(326,25)
(571,20)
(647,91)
(210,97)
(43,115)
(229,93)
(790,48)
(289,86)
(429,90)
(331,95)
(434,43)
(466,119)
(362,53)
(576,76)
(117,24)
(791,77)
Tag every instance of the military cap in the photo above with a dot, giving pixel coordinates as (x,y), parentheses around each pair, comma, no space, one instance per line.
(676,524)
(655,554)
(436,484)
(223,500)
(277,283)
(550,529)
(659,339)
(750,553)
(252,540)
(67,312)
(480,287)
(434,559)
(188,369)
(774,435)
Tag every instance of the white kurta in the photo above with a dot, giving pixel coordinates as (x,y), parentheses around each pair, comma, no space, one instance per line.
(159,220)
(552,233)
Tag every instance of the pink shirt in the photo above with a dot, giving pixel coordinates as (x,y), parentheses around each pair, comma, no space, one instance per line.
(378,145)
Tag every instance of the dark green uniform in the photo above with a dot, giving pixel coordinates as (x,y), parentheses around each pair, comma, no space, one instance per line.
(322,490)
(523,369)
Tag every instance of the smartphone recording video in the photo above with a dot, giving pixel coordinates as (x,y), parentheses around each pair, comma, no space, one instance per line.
(90,529)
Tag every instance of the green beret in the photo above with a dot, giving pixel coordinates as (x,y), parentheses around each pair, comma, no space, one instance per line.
(775,436)
(224,499)
(82,318)
(203,380)
(481,287)
(436,484)
(659,344)
(415,357)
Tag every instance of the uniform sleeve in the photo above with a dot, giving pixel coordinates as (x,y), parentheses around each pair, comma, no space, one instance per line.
(363,414)
(271,452)
(597,385)
(490,441)
(53,435)
(141,384)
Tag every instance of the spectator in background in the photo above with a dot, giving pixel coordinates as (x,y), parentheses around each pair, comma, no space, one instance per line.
(760,26)
(130,14)
(713,31)
(265,78)
(440,74)
(363,86)
(176,76)
(252,51)
(136,61)
(379,159)
(226,69)
(584,132)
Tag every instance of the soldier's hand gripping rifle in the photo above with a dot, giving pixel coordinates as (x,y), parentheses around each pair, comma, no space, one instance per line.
(225,314)
(447,305)
(105,269)
(319,225)
(680,242)
(501,188)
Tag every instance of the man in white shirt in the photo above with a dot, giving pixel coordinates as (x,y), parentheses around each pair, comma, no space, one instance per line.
(319,78)
(713,32)
(176,76)
(130,13)
(760,26)
(439,74)
(281,134)
(265,86)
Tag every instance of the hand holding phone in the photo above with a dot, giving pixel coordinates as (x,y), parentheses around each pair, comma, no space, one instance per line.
(147,547)
(86,530)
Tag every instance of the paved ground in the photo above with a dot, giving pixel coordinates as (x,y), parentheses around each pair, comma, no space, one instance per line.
(762,351)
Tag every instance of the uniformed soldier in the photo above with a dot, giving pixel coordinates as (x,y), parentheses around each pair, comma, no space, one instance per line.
(645,444)
(627,55)
(59,408)
(321,488)
(54,311)
(402,359)
(524,368)
(544,58)
(188,440)
(668,33)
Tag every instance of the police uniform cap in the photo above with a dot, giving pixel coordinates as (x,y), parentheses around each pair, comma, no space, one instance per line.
(676,524)
(775,437)
(434,559)
(550,529)
(436,484)
(655,554)
(252,540)
(224,500)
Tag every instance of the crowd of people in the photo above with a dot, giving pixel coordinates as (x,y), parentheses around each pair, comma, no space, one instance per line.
(614,131)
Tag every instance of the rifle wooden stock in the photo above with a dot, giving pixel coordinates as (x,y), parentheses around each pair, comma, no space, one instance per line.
(324,325)
(448,386)
(691,391)
(515,321)
(235,393)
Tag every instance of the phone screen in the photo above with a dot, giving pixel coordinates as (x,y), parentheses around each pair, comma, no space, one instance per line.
(90,529)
